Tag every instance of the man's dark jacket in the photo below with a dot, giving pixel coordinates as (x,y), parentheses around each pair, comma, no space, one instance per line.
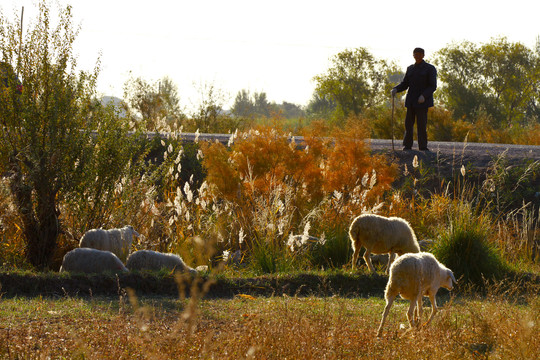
(420,79)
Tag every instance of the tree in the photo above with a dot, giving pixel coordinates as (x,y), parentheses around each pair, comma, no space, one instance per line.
(209,116)
(320,106)
(249,106)
(157,105)
(499,78)
(354,82)
(47,138)
(243,105)
(291,111)
(262,106)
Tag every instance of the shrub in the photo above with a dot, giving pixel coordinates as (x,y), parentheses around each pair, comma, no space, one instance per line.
(508,186)
(274,187)
(56,141)
(334,251)
(269,258)
(465,246)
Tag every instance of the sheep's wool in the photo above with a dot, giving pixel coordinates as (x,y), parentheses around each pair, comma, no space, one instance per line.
(380,235)
(87,260)
(413,276)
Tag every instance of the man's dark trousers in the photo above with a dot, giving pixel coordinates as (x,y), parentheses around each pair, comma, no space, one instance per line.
(421,117)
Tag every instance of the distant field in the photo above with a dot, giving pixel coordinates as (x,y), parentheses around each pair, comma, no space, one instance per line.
(275,327)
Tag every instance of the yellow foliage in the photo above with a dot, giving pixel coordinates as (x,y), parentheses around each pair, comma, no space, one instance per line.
(336,167)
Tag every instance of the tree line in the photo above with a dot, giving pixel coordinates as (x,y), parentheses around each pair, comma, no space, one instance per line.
(498,80)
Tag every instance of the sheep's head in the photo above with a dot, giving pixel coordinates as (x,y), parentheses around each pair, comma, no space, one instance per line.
(448,279)
(132,230)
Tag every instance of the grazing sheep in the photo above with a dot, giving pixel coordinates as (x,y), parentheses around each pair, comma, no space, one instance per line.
(380,259)
(414,276)
(153,260)
(379,234)
(117,241)
(87,260)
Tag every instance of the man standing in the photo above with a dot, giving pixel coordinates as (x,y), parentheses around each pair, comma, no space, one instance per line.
(421,80)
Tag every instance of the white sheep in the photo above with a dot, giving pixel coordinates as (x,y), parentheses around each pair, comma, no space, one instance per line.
(379,235)
(414,276)
(117,241)
(87,260)
(153,260)
(382,259)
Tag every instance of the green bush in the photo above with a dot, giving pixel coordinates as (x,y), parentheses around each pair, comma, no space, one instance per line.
(334,251)
(465,247)
(269,258)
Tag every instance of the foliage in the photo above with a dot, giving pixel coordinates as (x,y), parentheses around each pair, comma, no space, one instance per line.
(264,157)
(519,234)
(443,126)
(47,140)
(63,153)
(71,163)
(247,105)
(500,77)
(334,251)
(256,108)
(105,190)
(291,111)
(156,105)
(210,116)
(320,106)
(466,246)
(274,187)
(508,187)
(354,82)
(11,242)
(270,258)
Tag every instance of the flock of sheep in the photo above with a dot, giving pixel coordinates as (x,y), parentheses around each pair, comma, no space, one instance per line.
(106,250)
(413,275)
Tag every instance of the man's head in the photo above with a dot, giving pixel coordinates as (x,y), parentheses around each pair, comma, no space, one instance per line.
(418,54)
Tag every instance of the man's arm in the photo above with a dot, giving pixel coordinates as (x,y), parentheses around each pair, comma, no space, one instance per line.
(432,82)
(404,84)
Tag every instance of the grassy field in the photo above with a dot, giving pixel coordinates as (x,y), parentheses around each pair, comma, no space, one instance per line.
(276,327)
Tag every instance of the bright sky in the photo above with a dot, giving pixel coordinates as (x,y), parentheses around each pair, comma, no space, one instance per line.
(274,46)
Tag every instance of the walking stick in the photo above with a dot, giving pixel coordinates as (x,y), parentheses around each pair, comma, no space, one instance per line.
(393,149)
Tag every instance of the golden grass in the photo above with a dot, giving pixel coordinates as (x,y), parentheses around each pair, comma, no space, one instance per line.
(263,328)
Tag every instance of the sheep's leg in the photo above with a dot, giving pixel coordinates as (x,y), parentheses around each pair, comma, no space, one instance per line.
(367,258)
(389,301)
(419,310)
(434,308)
(391,256)
(410,314)
(355,257)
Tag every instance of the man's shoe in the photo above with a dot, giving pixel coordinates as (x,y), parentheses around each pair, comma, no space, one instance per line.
(424,149)
(407,148)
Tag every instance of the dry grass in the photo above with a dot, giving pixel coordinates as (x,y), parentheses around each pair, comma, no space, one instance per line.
(263,328)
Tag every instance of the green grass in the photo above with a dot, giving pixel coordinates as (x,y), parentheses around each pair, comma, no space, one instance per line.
(466,247)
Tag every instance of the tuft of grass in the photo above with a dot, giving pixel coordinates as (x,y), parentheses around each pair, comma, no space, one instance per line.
(270,258)
(334,252)
(466,248)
